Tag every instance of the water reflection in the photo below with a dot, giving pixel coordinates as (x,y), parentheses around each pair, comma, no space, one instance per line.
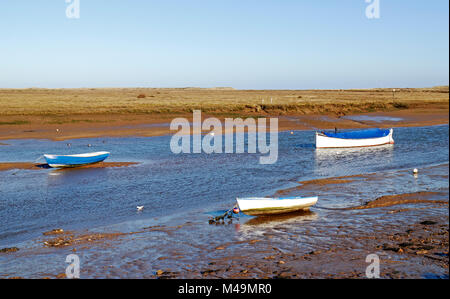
(358,152)
(76,175)
(274,220)
(348,161)
(260,226)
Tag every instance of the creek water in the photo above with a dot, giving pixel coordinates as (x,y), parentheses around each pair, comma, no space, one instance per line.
(185,189)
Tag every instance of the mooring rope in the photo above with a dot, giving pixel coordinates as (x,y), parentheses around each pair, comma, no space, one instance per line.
(326,208)
(228,214)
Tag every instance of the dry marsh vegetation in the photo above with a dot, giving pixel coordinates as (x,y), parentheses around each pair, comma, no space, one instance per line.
(215,101)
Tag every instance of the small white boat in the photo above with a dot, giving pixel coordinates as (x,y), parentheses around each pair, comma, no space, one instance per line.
(361,138)
(59,161)
(256,206)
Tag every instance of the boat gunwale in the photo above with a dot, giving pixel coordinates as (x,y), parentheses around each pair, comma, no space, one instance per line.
(276,198)
(85,155)
(326,136)
(356,146)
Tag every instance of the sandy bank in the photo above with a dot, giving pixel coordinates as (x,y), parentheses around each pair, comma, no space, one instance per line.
(145,125)
(31,166)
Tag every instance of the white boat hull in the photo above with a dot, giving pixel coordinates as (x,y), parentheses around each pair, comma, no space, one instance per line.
(323,141)
(256,206)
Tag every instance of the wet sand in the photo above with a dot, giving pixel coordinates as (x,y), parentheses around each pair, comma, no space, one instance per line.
(75,240)
(401,199)
(32,166)
(401,248)
(151,125)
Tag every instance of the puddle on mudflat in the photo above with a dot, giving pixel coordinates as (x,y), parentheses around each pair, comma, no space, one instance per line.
(373,118)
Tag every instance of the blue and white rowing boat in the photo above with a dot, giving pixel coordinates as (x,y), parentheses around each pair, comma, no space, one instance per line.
(359,138)
(59,161)
(256,206)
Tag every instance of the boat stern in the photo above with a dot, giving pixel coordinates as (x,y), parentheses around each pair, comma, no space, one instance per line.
(391,138)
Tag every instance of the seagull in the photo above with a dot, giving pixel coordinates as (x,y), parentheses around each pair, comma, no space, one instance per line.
(140,208)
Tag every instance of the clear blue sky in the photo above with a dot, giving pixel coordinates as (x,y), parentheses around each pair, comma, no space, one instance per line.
(246,44)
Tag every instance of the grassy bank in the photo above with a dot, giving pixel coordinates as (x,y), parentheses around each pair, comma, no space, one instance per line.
(69,102)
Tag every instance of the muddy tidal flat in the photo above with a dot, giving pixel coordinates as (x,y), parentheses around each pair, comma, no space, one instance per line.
(107,112)
(370,202)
